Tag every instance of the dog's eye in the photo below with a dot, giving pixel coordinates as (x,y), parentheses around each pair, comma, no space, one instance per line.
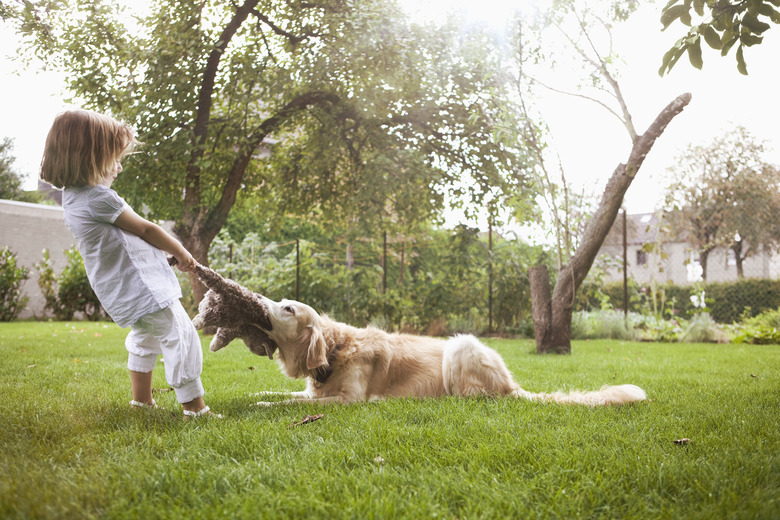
(289,309)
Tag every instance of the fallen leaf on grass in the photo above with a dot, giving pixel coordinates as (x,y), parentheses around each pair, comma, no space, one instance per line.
(31,366)
(753,375)
(682,442)
(305,420)
(251,368)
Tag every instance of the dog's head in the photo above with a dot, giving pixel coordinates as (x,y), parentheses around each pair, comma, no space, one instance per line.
(298,330)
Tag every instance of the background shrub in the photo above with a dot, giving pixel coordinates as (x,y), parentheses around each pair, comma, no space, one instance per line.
(703,329)
(436,283)
(11,277)
(69,292)
(763,329)
(733,301)
(606,324)
(727,302)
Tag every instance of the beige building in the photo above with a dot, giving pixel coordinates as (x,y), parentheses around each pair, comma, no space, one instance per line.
(655,252)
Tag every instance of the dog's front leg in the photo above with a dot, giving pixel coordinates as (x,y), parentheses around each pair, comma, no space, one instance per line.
(294,397)
(304,393)
(309,400)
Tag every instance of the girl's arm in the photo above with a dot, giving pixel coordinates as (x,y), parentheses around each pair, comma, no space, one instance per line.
(131,222)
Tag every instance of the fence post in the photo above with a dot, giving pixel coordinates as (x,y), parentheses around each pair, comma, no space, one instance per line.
(403,260)
(625,268)
(490,274)
(384,264)
(401,282)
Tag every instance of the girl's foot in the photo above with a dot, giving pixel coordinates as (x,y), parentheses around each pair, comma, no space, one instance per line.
(203,412)
(139,404)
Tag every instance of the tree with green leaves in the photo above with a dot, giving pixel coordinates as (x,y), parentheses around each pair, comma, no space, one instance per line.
(330,109)
(727,196)
(10,182)
(722,24)
(585,34)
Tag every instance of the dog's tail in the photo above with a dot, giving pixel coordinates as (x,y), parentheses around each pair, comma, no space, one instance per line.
(619,394)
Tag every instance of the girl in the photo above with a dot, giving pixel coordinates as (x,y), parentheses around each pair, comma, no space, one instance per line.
(123,255)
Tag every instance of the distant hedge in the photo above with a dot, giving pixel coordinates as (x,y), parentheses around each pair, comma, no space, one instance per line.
(750,297)
(728,302)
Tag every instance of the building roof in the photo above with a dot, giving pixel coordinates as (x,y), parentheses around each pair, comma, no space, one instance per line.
(643,228)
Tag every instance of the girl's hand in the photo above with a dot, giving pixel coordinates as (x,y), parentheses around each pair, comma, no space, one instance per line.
(185,262)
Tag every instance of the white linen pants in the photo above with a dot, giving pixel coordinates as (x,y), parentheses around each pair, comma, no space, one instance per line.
(171,333)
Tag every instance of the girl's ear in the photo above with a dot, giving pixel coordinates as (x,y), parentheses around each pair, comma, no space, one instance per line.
(317,352)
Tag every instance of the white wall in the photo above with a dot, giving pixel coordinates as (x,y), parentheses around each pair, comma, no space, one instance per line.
(677,264)
(28,229)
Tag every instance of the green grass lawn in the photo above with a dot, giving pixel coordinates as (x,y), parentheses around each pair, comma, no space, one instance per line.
(70,447)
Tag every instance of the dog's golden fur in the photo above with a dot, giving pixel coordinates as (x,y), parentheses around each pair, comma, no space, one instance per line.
(346,364)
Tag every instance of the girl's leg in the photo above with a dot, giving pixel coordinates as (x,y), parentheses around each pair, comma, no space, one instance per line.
(141,385)
(171,333)
(142,356)
(195,405)
(183,357)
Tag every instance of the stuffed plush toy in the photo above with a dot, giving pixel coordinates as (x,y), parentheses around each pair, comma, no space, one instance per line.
(236,311)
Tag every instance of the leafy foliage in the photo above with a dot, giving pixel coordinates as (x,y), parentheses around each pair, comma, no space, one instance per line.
(10,180)
(731,302)
(763,329)
(12,276)
(703,329)
(723,24)
(10,183)
(726,195)
(435,281)
(726,302)
(604,324)
(610,324)
(70,292)
(341,109)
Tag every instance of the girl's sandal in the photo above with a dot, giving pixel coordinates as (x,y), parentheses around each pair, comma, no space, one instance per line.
(139,404)
(203,412)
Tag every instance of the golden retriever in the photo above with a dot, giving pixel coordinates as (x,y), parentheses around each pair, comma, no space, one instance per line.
(345,364)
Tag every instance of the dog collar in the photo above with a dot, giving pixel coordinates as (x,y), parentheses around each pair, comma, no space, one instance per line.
(322,374)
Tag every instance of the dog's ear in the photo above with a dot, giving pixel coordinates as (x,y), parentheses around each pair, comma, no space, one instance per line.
(317,353)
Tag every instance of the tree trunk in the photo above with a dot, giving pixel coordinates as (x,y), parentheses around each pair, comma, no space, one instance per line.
(703,256)
(350,256)
(199,249)
(739,258)
(552,313)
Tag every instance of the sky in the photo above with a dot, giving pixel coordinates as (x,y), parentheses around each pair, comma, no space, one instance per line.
(590,142)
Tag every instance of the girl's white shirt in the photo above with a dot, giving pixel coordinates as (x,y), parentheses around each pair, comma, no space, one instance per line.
(130,277)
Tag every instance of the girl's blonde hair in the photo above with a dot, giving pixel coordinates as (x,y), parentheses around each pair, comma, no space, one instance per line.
(83,147)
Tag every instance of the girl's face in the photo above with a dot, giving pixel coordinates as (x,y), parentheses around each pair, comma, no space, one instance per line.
(111,177)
